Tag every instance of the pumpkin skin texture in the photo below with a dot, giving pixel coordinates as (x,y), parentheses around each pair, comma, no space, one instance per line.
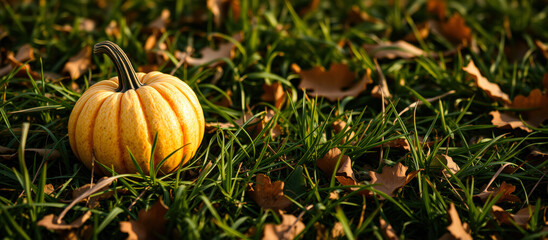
(114,116)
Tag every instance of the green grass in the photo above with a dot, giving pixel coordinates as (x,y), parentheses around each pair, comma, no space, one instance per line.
(208,196)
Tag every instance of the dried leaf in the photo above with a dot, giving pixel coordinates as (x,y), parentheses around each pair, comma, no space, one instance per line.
(521,218)
(334,84)
(113,30)
(93,201)
(356,15)
(49,189)
(269,195)
(344,173)
(506,120)
(456,30)
(505,191)
(334,195)
(312,5)
(391,178)
(79,64)
(208,54)
(337,231)
(290,227)
(24,54)
(392,50)
(274,93)
(436,7)
(423,31)
(255,126)
(446,160)
(220,10)
(339,126)
(492,89)
(150,223)
(536,102)
(51,222)
(387,230)
(159,24)
(226,100)
(543,48)
(457,229)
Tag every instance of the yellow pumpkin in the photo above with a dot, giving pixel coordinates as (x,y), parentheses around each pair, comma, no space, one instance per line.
(126,112)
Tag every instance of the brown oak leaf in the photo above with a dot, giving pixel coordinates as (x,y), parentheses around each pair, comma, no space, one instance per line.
(268,195)
(505,191)
(436,7)
(457,229)
(391,178)
(507,120)
(446,160)
(78,64)
(50,222)
(521,218)
(289,228)
(339,126)
(208,54)
(492,89)
(456,30)
(334,84)
(344,173)
(536,102)
(150,223)
(274,93)
(24,54)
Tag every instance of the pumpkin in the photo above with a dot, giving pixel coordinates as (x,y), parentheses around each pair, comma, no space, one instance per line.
(125,114)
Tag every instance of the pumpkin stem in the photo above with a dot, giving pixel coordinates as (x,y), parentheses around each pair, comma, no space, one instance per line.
(127,78)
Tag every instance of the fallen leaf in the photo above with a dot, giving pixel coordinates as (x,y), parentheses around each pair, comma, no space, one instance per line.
(339,126)
(268,195)
(220,10)
(387,230)
(536,102)
(391,178)
(156,52)
(457,229)
(159,24)
(24,54)
(436,7)
(150,223)
(392,50)
(334,84)
(79,64)
(208,54)
(344,173)
(423,31)
(289,228)
(400,143)
(93,201)
(274,93)
(521,218)
(211,127)
(543,48)
(505,191)
(442,159)
(492,89)
(226,100)
(51,222)
(506,120)
(356,15)
(337,231)
(49,189)
(113,30)
(334,195)
(456,30)
(11,154)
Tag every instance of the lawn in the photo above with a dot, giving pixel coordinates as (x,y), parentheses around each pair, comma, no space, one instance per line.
(323,120)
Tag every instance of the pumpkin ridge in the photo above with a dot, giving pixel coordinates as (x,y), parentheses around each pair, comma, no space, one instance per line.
(93,116)
(119,131)
(184,144)
(148,130)
(146,168)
